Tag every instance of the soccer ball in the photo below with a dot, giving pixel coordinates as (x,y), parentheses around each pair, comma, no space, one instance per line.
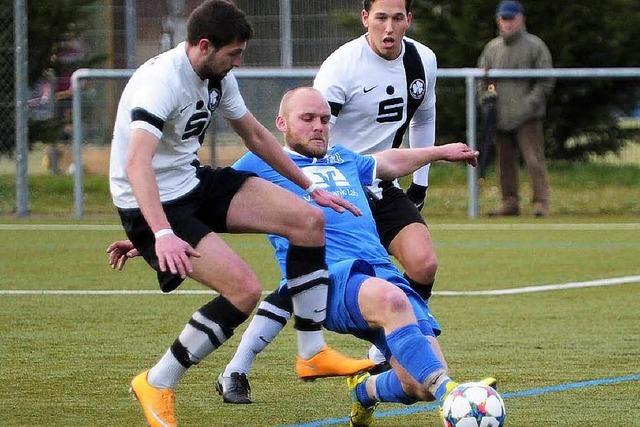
(473,405)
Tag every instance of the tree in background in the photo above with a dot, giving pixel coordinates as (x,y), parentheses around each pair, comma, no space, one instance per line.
(582,114)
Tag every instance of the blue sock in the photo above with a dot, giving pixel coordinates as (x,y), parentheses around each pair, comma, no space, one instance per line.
(363,396)
(389,389)
(413,350)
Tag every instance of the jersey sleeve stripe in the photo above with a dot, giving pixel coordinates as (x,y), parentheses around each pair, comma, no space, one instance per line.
(146,126)
(142,115)
(335,108)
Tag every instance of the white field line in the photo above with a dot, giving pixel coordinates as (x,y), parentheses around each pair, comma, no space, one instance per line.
(545,288)
(60,227)
(479,227)
(522,290)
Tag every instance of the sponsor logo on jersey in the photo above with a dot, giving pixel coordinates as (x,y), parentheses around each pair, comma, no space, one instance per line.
(197,123)
(326,177)
(214,99)
(417,88)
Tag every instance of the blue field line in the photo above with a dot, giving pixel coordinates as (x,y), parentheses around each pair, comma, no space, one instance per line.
(523,393)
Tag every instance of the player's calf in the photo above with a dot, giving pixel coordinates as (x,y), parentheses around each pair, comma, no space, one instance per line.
(207,329)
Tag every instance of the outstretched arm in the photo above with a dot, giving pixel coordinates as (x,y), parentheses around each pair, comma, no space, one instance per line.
(397,162)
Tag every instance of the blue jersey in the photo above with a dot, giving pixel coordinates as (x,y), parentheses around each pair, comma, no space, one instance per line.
(342,172)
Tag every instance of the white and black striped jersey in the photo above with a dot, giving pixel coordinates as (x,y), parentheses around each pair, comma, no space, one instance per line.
(374,100)
(166,97)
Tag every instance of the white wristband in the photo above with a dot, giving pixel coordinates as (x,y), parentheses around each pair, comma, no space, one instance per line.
(164,232)
(313,187)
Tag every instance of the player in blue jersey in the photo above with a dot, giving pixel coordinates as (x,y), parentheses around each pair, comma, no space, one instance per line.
(368,297)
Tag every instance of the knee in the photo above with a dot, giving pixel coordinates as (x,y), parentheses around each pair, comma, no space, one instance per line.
(394,301)
(244,288)
(424,270)
(308,227)
(313,220)
(251,288)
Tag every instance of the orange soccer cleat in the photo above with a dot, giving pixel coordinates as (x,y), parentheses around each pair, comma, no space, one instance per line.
(330,363)
(157,403)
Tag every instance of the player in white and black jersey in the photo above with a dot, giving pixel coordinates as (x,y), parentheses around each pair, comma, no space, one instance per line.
(379,86)
(171,207)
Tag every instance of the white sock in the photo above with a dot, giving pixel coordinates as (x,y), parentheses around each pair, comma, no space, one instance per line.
(260,332)
(310,343)
(311,304)
(375,355)
(167,372)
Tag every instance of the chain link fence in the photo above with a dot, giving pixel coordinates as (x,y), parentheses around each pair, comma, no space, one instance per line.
(7,88)
(317,28)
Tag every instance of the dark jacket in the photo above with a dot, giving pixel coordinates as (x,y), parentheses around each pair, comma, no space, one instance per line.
(518,100)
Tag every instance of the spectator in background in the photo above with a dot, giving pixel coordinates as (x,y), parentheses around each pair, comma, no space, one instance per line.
(520,108)
(67,57)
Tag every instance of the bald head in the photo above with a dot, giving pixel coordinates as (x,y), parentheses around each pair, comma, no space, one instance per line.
(294,97)
(303,119)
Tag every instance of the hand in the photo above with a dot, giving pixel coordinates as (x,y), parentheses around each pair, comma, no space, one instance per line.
(416,193)
(173,254)
(330,200)
(459,152)
(119,252)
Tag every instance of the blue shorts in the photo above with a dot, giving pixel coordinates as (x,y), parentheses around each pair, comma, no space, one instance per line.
(343,312)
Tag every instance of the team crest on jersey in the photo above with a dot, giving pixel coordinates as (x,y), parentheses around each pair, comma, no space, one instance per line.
(416,89)
(214,99)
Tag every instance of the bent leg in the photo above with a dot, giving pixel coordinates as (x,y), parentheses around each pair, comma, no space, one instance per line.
(414,249)
(384,305)
(221,269)
(260,206)
(272,316)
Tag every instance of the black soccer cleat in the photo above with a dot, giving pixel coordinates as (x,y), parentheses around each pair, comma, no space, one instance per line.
(380,368)
(235,389)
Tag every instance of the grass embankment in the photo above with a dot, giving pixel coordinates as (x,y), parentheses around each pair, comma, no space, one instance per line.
(579,189)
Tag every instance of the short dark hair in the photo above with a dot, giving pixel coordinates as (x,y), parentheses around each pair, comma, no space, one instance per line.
(220,22)
(366,5)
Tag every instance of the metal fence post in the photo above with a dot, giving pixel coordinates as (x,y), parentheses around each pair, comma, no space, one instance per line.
(286,49)
(21,123)
(131,30)
(472,182)
(77,141)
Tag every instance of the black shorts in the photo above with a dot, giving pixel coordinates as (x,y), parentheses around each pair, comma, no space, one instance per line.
(393,212)
(192,216)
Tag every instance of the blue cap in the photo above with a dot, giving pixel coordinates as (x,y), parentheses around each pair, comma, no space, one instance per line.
(508,9)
